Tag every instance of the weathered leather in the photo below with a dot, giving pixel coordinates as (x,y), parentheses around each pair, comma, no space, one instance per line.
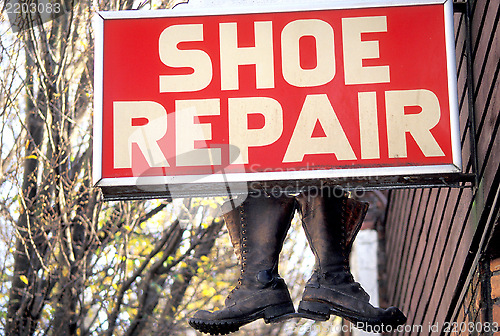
(233,225)
(257,229)
(265,223)
(354,214)
(326,220)
(331,224)
(246,301)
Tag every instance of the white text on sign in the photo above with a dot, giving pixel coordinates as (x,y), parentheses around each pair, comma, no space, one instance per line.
(316,108)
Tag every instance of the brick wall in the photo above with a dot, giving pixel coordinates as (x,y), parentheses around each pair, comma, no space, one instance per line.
(435,237)
(473,309)
(495,290)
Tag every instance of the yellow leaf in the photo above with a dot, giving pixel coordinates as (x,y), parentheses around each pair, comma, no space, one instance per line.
(208,292)
(24,279)
(204,258)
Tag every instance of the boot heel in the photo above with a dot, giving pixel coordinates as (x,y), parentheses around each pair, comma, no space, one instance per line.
(314,310)
(272,314)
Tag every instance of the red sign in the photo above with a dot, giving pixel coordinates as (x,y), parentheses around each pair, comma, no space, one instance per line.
(250,95)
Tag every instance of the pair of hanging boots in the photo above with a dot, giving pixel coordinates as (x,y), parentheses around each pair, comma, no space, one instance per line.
(258,228)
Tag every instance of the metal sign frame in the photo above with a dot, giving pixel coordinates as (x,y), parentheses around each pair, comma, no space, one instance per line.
(209,185)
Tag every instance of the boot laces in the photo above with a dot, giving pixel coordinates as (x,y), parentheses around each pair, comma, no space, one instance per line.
(244,252)
(343,236)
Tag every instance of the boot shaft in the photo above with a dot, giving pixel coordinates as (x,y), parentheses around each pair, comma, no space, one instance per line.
(354,215)
(232,220)
(331,223)
(257,229)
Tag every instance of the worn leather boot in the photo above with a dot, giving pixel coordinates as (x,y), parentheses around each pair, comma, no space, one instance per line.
(353,213)
(331,289)
(261,292)
(232,220)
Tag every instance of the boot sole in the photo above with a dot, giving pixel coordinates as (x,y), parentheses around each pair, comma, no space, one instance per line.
(321,311)
(298,315)
(270,314)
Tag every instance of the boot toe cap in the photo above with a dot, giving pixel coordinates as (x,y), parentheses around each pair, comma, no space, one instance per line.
(393,316)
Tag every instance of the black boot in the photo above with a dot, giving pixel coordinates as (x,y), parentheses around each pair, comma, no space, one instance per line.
(260,292)
(331,289)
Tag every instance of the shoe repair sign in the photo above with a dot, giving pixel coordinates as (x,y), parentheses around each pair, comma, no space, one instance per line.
(320,91)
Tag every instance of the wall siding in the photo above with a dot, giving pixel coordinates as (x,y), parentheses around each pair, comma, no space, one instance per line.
(433,235)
